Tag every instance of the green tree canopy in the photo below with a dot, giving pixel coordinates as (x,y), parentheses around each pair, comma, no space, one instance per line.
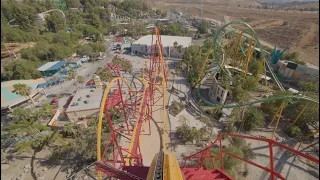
(185,134)
(55,22)
(24,14)
(85,49)
(21,69)
(204,27)
(23,90)
(254,118)
(72,74)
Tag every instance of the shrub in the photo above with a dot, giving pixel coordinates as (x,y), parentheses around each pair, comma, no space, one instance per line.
(238,142)
(251,83)
(176,108)
(245,172)
(247,152)
(184,134)
(254,119)
(215,112)
(294,131)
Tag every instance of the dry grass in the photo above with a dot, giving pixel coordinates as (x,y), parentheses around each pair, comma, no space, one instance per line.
(14,48)
(301,34)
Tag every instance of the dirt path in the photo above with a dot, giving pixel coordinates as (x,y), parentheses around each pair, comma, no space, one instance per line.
(308,37)
(266,23)
(22,166)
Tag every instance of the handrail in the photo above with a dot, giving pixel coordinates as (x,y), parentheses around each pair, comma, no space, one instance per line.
(203,153)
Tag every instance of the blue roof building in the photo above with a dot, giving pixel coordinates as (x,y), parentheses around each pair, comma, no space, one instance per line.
(50,68)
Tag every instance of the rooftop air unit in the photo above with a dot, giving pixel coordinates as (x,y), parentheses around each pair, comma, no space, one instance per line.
(75,103)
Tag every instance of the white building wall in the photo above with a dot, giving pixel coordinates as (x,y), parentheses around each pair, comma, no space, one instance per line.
(216,92)
(75,115)
(141,49)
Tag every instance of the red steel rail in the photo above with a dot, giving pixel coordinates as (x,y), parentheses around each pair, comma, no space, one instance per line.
(202,155)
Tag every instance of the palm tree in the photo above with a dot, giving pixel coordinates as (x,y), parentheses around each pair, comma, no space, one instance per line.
(28,133)
(72,74)
(80,80)
(23,90)
(70,130)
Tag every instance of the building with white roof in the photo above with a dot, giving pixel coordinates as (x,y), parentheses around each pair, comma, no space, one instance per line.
(142,45)
(84,103)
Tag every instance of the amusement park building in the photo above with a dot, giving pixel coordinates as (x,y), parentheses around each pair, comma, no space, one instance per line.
(297,71)
(142,45)
(85,102)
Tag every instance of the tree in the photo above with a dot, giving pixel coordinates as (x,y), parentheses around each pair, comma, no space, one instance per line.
(193,63)
(46,110)
(80,80)
(125,65)
(55,22)
(69,130)
(35,135)
(253,67)
(73,3)
(71,74)
(271,107)
(104,74)
(239,94)
(294,131)
(203,27)
(23,90)
(254,118)
(308,86)
(251,83)
(310,115)
(24,14)
(85,49)
(21,69)
(82,148)
(230,163)
(184,134)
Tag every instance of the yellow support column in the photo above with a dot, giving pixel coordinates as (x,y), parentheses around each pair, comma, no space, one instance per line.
(204,63)
(303,109)
(277,112)
(248,56)
(244,119)
(279,116)
(317,131)
(235,50)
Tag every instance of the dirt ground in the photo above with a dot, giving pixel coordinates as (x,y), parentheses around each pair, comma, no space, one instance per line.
(14,166)
(295,31)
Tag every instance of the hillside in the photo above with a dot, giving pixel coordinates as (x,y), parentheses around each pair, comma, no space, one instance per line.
(298,5)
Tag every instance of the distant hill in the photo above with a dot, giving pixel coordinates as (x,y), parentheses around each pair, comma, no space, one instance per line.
(297,4)
(285,1)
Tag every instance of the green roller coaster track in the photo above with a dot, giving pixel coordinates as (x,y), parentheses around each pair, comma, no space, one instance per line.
(274,76)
